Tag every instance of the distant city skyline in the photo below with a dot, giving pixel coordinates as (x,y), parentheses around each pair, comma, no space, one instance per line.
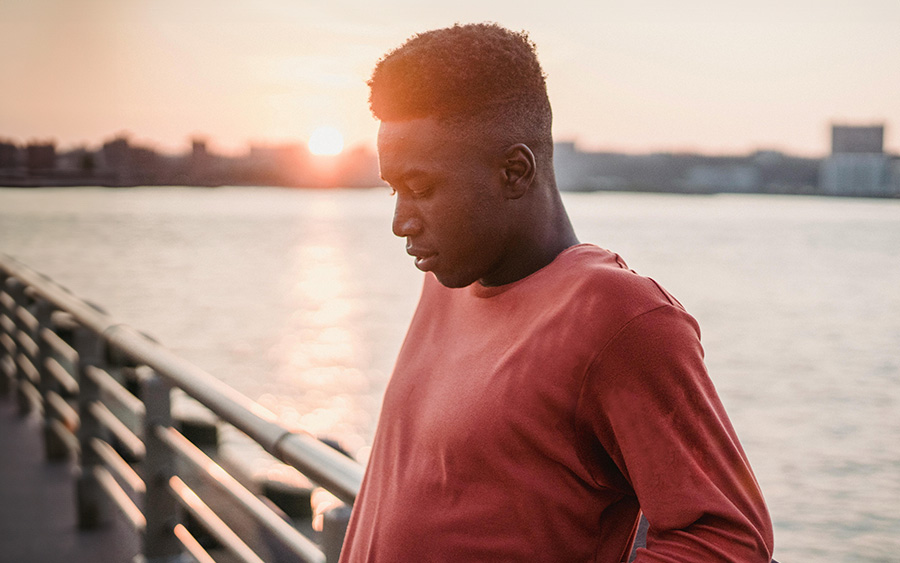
(699,76)
(857,166)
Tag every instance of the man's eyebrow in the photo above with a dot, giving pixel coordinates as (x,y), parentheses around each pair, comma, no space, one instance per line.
(405,175)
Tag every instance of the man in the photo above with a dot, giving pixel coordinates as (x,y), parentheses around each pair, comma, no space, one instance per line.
(545,394)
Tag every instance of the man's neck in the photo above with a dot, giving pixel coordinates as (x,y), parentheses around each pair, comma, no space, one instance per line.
(546,231)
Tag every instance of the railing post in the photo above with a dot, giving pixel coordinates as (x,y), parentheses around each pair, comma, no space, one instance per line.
(161,510)
(334,528)
(17,292)
(93,507)
(54,446)
(5,355)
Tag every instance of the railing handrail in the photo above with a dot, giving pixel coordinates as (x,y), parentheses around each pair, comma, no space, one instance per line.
(322,464)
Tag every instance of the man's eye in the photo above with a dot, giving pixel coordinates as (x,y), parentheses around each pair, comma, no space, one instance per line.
(418,192)
(421,191)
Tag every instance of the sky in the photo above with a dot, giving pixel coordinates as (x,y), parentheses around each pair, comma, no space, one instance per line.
(708,76)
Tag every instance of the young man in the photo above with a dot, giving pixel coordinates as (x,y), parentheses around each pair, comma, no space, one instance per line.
(545,395)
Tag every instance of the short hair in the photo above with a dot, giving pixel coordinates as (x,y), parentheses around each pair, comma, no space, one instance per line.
(480,75)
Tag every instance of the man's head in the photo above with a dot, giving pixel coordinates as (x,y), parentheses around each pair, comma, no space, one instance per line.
(479,77)
(465,142)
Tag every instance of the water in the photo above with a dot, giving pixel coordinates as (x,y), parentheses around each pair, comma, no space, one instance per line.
(300,299)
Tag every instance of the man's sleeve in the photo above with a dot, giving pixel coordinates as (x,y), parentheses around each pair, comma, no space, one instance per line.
(649,401)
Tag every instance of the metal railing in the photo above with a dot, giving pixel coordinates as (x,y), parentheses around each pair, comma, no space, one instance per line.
(105,391)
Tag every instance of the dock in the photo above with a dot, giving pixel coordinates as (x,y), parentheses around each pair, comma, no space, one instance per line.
(38,514)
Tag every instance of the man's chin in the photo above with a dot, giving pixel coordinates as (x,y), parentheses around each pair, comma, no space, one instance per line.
(452,281)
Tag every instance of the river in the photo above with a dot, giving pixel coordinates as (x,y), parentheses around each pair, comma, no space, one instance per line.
(300,300)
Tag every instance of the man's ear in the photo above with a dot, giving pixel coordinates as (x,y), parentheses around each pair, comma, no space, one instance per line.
(518,170)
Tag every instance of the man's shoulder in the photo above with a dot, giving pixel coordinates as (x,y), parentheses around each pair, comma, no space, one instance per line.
(601,277)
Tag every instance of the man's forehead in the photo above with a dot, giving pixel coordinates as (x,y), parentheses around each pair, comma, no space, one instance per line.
(391,132)
(401,143)
(427,136)
(427,145)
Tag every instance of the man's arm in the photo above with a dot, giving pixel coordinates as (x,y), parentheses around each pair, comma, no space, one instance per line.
(649,401)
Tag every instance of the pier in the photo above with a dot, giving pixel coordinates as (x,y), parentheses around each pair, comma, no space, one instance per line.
(97,468)
(37,503)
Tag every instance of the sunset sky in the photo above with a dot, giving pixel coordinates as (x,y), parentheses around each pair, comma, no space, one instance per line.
(654,75)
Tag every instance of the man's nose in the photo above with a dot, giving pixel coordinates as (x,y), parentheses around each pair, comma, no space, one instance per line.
(406,220)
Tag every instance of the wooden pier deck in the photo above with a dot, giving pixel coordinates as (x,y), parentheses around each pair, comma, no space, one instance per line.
(37,503)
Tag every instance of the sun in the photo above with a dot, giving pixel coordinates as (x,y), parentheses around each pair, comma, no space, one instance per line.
(326,141)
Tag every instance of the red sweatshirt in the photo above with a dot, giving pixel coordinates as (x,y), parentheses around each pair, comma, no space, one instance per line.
(535,420)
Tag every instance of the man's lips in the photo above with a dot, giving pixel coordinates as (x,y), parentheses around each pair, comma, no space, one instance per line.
(424,258)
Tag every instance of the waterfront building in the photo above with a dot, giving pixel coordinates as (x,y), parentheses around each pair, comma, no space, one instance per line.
(715,177)
(895,176)
(759,172)
(9,155)
(857,139)
(40,157)
(569,167)
(858,165)
(115,160)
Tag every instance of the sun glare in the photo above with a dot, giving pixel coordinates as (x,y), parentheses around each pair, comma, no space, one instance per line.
(326,141)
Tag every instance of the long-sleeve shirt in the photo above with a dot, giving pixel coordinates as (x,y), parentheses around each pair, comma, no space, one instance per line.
(535,421)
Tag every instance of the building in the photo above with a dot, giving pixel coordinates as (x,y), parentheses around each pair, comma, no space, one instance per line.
(40,157)
(858,165)
(848,139)
(713,178)
(116,161)
(9,155)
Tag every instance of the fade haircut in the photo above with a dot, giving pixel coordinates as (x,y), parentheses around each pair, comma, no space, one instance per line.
(477,75)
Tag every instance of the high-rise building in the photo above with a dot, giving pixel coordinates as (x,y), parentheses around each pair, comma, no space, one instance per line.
(849,139)
(858,165)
